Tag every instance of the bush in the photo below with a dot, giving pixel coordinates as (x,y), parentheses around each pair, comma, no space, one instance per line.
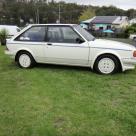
(109,35)
(121,35)
(3,36)
(130,30)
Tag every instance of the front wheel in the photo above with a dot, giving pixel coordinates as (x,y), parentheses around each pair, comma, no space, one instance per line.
(25,60)
(106,64)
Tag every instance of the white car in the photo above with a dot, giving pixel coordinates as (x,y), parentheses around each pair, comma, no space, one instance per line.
(133,37)
(69,44)
(11,30)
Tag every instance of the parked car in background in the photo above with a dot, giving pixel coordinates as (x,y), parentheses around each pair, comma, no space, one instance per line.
(69,44)
(11,30)
(133,37)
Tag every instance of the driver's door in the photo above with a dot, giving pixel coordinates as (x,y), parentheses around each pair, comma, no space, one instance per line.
(65,46)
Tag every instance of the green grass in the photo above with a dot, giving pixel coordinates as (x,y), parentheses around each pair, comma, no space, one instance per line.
(65,101)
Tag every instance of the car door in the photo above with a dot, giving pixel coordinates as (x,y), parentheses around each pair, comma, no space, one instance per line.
(32,40)
(65,46)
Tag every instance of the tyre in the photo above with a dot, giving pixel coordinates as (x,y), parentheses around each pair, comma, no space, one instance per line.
(25,60)
(106,64)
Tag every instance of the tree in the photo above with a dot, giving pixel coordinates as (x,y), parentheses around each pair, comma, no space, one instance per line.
(131,13)
(87,14)
(109,11)
(22,12)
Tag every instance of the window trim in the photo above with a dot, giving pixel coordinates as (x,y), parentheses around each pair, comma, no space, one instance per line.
(46,32)
(60,27)
(45,26)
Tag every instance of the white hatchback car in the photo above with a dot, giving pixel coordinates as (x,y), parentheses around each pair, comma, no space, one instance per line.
(69,44)
(132,37)
(11,30)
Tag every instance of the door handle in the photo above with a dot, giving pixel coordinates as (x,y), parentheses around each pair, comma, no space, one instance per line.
(50,44)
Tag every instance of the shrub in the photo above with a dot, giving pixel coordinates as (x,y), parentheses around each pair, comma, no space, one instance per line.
(130,30)
(3,36)
(110,35)
(121,35)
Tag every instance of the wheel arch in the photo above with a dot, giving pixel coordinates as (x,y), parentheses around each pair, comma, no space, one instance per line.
(108,53)
(23,50)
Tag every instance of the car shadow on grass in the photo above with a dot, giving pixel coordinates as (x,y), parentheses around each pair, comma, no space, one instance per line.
(75,68)
(55,67)
(63,67)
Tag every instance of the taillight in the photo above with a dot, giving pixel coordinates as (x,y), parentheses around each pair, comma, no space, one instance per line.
(134,54)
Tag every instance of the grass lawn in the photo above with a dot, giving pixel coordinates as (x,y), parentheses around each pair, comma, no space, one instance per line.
(65,101)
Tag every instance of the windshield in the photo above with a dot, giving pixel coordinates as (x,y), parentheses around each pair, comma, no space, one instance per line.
(84,33)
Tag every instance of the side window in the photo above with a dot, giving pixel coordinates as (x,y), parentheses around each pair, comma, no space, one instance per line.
(70,36)
(63,34)
(54,34)
(34,34)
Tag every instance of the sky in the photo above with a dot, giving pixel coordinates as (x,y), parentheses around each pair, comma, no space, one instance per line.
(123,4)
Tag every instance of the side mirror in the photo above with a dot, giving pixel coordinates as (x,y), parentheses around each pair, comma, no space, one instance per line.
(79,40)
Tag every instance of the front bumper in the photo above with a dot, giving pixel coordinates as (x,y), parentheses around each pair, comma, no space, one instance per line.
(128,63)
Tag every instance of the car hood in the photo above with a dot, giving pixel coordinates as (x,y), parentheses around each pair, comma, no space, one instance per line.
(109,44)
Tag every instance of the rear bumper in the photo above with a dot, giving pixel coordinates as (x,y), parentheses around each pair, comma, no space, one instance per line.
(9,53)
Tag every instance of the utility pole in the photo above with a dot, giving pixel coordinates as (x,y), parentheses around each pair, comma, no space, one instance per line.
(59,13)
(47,1)
(37,16)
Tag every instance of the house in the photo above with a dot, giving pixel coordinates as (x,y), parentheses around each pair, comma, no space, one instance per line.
(132,21)
(86,24)
(101,23)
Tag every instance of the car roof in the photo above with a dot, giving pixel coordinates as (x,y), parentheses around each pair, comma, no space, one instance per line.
(53,24)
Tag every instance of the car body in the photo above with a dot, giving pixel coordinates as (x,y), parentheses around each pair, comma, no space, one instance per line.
(11,30)
(69,44)
(132,37)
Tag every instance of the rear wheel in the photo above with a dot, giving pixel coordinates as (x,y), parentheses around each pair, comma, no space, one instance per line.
(25,60)
(106,64)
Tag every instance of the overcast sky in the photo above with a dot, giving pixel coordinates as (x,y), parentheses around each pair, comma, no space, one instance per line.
(124,4)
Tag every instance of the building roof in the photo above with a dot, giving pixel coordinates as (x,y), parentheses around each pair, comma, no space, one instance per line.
(89,20)
(132,21)
(120,19)
(106,20)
